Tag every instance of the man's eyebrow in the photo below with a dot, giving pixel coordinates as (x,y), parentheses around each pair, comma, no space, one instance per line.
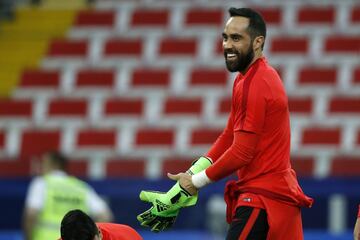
(236,35)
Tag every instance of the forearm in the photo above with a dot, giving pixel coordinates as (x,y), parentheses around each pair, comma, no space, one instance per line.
(357,226)
(357,229)
(223,142)
(238,155)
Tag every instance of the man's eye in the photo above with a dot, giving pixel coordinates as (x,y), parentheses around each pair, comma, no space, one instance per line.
(236,38)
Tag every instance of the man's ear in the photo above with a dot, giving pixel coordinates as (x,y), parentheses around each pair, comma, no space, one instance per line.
(98,236)
(258,42)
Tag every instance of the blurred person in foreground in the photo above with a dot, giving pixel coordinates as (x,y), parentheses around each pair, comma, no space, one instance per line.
(265,201)
(53,194)
(77,225)
(357,226)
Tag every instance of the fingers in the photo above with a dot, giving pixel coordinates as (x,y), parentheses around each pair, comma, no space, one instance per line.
(168,224)
(156,227)
(154,222)
(174,177)
(165,225)
(148,196)
(145,217)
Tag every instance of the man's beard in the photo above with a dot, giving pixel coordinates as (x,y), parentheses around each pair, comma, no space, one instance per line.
(241,62)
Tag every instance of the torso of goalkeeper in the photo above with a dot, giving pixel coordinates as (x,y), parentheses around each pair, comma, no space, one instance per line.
(259,125)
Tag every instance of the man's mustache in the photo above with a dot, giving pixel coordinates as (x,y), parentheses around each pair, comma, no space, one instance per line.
(230,52)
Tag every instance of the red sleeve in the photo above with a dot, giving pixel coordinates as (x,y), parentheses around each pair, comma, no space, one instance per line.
(238,155)
(223,142)
(359,211)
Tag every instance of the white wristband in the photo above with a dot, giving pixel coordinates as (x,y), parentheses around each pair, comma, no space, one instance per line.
(200,179)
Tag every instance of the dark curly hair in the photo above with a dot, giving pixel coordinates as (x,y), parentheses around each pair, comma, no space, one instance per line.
(77,225)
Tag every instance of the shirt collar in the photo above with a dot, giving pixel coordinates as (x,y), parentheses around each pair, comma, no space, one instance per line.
(257,61)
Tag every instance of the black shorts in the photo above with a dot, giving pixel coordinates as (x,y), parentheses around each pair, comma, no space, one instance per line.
(248,223)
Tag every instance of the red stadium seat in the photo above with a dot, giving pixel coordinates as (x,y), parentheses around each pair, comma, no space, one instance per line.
(124,106)
(290,45)
(304,166)
(95,18)
(201,77)
(36,142)
(272,15)
(96,138)
(123,47)
(343,166)
(316,15)
(68,108)
(38,78)
(182,106)
(119,167)
(151,18)
(14,168)
(311,75)
(344,105)
(95,78)
(78,167)
(204,136)
(15,108)
(356,76)
(176,46)
(150,78)
(355,14)
(303,105)
(155,137)
(200,17)
(321,136)
(2,139)
(68,48)
(343,44)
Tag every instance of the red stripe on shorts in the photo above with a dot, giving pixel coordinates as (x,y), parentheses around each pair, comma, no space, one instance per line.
(249,224)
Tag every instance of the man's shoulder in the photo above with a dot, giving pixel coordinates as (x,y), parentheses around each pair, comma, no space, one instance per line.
(266,71)
(37,181)
(118,230)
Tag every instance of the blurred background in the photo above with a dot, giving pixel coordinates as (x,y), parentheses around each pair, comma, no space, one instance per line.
(132,89)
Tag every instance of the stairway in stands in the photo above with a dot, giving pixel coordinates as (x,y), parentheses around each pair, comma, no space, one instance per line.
(24,40)
(141,91)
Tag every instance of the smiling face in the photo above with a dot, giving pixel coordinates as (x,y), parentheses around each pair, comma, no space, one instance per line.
(237,44)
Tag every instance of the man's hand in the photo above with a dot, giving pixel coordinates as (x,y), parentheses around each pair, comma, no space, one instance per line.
(165,206)
(165,209)
(184,181)
(357,229)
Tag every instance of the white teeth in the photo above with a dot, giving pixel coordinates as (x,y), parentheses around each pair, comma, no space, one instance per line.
(231,55)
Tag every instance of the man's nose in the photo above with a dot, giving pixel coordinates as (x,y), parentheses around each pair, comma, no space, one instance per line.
(227,45)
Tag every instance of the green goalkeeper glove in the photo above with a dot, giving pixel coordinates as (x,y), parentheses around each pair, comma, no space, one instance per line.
(166,206)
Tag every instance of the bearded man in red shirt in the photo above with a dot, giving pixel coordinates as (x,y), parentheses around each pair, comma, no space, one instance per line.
(264,203)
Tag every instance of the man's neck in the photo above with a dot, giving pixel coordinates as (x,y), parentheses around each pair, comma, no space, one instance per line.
(256,57)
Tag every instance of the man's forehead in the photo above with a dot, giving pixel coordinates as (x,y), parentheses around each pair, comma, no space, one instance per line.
(236,24)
